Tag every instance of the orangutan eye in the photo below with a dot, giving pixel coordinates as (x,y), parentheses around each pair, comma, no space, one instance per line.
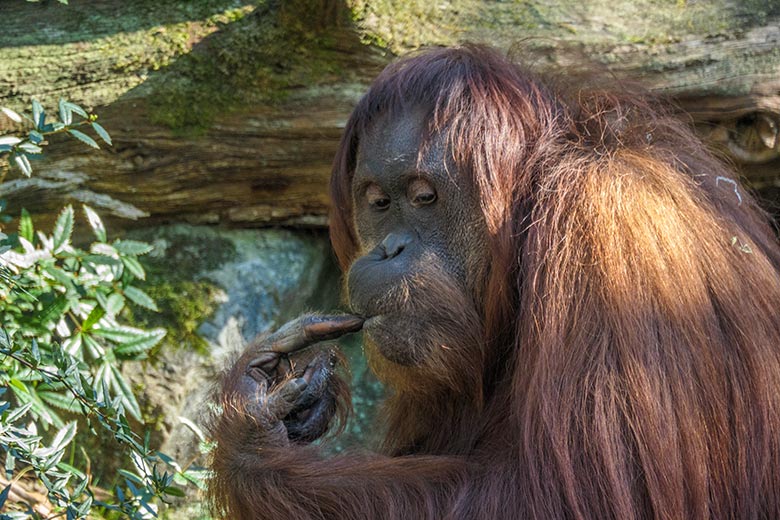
(377,198)
(421,192)
(425,198)
(381,203)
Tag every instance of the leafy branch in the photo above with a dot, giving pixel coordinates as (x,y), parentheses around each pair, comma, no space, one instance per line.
(61,347)
(22,148)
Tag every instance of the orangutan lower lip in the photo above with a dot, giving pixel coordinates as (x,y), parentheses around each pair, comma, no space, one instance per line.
(373,320)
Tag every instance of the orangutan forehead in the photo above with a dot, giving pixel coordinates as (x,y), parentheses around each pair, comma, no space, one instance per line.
(402,141)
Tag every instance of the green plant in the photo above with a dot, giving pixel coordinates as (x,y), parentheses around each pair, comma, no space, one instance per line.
(21,148)
(60,1)
(63,342)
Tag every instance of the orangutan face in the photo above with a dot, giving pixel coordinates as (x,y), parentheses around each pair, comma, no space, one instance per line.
(422,240)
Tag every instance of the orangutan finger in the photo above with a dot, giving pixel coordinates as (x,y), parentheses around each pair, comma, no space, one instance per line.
(323,328)
(265,361)
(310,329)
(314,422)
(317,374)
(258,374)
(281,401)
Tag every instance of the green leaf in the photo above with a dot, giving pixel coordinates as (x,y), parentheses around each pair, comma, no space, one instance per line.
(17,412)
(38,408)
(54,311)
(35,351)
(133,349)
(10,461)
(131,341)
(94,348)
(93,317)
(53,453)
(95,223)
(84,138)
(168,460)
(30,148)
(26,229)
(64,278)
(174,492)
(99,130)
(132,247)
(5,340)
(13,116)
(130,476)
(11,140)
(100,248)
(29,375)
(134,266)
(140,298)
(119,333)
(102,382)
(23,163)
(114,303)
(86,385)
(73,107)
(72,345)
(63,228)
(64,436)
(4,496)
(75,471)
(35,137)
(100,259)
(39,116)
(58,400)
(122,388)
(65,114)
(131,336)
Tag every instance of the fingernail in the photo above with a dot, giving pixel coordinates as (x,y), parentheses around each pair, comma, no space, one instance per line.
(350,322)
(265,359)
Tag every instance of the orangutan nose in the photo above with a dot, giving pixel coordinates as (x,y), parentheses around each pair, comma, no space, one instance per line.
(394,243)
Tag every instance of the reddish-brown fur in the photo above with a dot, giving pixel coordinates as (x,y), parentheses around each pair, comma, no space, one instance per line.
(626,360)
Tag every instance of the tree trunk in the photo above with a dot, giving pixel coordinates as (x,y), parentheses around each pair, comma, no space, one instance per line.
(225,114)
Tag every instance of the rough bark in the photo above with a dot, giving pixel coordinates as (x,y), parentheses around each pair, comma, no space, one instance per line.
(226,112)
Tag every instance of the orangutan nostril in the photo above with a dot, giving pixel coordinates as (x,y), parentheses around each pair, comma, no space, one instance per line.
(394,244)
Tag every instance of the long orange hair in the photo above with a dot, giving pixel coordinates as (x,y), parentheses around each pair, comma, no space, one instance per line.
(632,306)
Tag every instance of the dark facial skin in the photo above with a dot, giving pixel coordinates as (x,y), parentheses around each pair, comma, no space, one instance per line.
(419,225)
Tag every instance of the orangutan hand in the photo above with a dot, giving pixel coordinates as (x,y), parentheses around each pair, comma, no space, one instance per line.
(291,392)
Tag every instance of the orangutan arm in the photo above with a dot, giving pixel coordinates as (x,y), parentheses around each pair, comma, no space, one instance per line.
(298,482)
(264,468)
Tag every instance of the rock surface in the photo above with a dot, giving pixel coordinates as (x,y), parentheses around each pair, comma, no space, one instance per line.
(229,111)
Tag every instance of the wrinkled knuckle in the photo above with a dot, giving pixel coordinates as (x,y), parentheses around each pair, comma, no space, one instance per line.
(294,388)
